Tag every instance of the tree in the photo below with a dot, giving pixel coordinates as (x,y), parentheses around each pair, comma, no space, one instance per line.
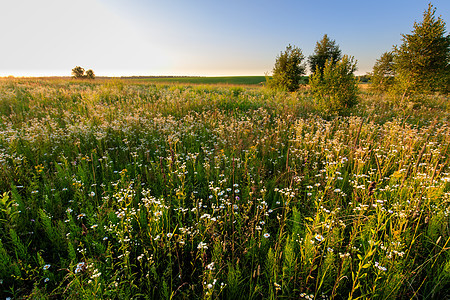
(326,49)
(78,72)
(382,76)
(288,69)
(422,62)
(90,74)
(336,89)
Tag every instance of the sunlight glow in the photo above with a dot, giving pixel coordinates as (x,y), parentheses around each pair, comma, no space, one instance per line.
(50,37)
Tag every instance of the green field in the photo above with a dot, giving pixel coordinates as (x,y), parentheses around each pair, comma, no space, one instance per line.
(126,189)
(230,80)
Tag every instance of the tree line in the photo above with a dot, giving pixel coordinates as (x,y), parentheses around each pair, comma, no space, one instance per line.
(419,65)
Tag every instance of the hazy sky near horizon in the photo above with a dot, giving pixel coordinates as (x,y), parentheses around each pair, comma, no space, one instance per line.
(196,37)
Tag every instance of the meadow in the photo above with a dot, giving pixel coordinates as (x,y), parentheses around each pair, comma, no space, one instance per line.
(222,80)
(120,189)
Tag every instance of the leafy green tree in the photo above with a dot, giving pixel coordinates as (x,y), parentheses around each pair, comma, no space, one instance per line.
(382,76)
(78,72)
(326,49)
(336,89)
(422,61)
(288,69)
(90,74)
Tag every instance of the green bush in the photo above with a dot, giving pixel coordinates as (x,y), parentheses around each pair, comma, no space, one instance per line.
(288,70)
(335,90)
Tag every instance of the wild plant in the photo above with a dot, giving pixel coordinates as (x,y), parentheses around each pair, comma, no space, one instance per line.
(123,189)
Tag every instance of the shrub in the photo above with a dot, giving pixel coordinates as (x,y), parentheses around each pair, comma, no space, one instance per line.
(336,90)
(90,74)
(288,70)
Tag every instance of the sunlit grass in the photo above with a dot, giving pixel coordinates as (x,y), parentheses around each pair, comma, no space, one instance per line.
(115,189)
(231,80)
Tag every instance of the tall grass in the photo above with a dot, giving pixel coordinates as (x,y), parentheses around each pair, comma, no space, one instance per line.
(132,190)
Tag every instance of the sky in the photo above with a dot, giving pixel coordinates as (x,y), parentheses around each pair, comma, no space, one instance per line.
(195,37)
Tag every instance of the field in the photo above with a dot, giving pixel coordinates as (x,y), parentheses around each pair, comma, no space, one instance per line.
(233,80)
(125,189)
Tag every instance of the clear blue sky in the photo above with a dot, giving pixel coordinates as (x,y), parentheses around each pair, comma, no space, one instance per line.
(196,37)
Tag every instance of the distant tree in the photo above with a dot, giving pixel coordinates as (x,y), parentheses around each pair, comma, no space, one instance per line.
(326,49)
(78,72)
(382,76)
(363,78)
(422,62)
(90,74)
(336,89)
(288,69)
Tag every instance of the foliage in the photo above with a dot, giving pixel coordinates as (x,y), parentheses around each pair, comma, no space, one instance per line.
(326,49)
(364,78)
(90,74)
(123,189)
(79,72)
(382,76)
(422,62)
(336,89)
(288,70)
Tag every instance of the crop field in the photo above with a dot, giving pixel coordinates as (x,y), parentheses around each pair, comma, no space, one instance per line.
(120,189)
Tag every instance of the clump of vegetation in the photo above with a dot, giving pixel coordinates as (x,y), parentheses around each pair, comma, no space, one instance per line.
(125,189)
(332,82)
(288,70)
(325,50)
(79,72)
(420,65)
(382,76)
(422,61)
(335,88)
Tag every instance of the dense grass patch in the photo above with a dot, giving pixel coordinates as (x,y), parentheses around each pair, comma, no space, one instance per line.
(120,190)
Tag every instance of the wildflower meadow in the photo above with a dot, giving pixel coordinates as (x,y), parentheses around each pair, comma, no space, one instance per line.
(121,189)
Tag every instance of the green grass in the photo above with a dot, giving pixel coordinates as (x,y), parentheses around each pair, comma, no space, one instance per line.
(229,80)
(121,189)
